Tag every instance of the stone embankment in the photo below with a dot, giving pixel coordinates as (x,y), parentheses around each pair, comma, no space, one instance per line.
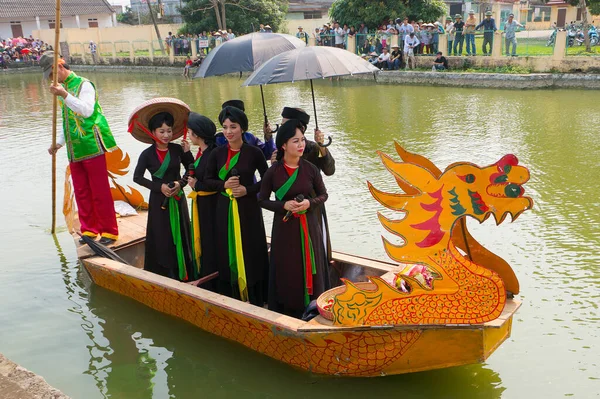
(488,80)
(17,382)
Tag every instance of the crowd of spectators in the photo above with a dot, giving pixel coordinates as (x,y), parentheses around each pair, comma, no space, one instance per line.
(417,38)
(21,50)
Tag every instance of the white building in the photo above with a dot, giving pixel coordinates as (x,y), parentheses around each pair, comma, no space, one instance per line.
(21,17)
(309,14)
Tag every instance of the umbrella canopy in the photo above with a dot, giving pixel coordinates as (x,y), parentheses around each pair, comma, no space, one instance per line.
(309,63)
(246,53)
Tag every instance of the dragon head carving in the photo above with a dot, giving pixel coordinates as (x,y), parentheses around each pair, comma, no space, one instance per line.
(438,277)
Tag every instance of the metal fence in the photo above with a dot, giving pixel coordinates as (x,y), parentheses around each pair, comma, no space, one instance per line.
(526,43)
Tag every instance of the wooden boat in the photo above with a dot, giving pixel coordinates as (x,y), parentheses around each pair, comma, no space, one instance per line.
(451,334)
(317,346)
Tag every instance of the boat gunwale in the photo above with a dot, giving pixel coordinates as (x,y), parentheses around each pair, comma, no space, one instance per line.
(277,319)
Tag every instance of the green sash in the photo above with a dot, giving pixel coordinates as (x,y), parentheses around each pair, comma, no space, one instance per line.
(176,231)
(174,219)
(308,255)
(232,162)
(279,194)
(160,173)
(237,267)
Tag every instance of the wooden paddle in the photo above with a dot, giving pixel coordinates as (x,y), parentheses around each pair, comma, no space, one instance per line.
(54,112)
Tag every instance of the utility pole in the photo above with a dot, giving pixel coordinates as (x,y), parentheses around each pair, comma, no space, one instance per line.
(162,47)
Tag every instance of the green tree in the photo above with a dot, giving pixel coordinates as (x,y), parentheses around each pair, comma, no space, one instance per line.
(241,16)
(373,13)
(127,17)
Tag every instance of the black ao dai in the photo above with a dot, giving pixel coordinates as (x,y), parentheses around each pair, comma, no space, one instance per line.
(286,285)
(254,243)
(161,253)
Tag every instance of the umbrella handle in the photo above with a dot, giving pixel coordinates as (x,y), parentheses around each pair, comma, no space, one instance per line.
(276,128)
(327,144)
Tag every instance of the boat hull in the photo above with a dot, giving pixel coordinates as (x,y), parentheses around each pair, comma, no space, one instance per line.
(313,346)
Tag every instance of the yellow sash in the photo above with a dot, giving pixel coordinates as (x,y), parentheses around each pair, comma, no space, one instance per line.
(239,254)
(196,226)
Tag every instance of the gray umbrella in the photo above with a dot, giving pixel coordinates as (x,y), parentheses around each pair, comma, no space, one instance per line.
(309,63)
(247,53)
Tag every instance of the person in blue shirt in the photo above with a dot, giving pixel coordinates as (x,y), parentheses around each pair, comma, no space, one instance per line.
(267,147)
(489,27)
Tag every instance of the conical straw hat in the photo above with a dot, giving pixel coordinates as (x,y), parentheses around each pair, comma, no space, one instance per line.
(138,121)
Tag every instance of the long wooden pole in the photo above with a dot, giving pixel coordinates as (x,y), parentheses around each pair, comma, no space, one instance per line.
(54,111)
(160,43)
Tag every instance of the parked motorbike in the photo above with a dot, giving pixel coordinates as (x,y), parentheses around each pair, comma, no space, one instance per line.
(552,38)
(593,34)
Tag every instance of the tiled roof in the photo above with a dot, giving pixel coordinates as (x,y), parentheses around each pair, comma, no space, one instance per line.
(47,8)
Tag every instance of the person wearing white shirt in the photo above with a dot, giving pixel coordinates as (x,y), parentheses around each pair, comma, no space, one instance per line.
(87,137)
(410,43)
(339,35)
(382,60)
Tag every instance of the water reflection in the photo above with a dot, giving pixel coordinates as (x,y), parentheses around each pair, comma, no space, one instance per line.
(154,354)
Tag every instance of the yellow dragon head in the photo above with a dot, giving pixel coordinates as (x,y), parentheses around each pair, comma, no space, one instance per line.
(440,285)
(434,202)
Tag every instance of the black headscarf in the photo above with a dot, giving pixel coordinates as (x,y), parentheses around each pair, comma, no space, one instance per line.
(286,132)
(235,115)
(202,127)
(293,113)
(239,104)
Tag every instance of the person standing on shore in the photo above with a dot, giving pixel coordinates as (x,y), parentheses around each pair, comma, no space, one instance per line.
(489,27)
(510,37)
(87,137)
(410,44)
(302,35)
(459,37)
(449,27)
(93,51)
(470,25)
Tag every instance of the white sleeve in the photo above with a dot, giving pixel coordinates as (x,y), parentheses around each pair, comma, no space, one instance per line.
(84,104)
(60,137)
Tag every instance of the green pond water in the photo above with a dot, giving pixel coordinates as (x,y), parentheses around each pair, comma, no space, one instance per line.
(92,343)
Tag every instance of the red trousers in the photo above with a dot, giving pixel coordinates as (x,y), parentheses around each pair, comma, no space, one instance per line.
(94,201)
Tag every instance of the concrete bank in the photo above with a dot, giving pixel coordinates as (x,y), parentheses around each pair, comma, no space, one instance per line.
(17,382)
(425,78)
(487,80)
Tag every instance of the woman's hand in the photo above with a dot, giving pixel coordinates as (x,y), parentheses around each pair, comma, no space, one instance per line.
(176,188)
(192,182)
(290,205)
(167,192)
(302,206)
(239,191)
(185,145)
(232,182)
(274,157)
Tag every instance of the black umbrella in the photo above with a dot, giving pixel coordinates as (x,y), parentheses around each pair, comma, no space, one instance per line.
(309,63)
(247,53)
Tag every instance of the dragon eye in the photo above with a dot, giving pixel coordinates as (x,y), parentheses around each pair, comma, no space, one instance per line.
(512,190)
(470,178)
